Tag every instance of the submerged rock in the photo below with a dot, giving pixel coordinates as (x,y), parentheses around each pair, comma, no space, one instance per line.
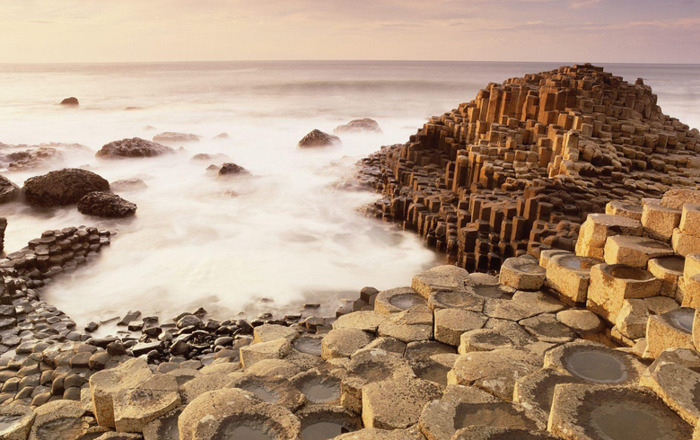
(103,204)
(223,135)
(128,185)
(358,126)
(72,101)
(62,187)
(170,136)
(8,190)
(134,147)
(230,169)
(317,138)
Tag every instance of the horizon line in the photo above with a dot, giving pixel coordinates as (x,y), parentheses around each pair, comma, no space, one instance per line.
(599,63)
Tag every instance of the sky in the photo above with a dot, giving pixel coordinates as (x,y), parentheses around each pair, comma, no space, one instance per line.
(624,31)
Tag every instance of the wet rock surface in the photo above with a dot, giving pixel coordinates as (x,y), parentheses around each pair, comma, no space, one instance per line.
(62,187)
(103,204)
(317,138)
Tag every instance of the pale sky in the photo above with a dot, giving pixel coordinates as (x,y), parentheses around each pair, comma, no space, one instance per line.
(654,31)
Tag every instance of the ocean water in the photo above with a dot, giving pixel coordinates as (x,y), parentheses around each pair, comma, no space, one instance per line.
(291,233)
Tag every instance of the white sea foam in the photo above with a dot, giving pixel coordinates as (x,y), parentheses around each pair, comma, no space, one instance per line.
(290,234)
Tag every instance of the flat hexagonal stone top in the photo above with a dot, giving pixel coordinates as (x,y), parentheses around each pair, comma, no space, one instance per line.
(599,412)
(233,413)
(594,363)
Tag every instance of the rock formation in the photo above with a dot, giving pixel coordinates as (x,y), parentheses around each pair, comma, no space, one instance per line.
(520,167)
(3,226)
(358,126)
(104,204)
(27,157)
(231,169)
(135,147)
(317,138)
(72,101)
(9,191)
(62,187)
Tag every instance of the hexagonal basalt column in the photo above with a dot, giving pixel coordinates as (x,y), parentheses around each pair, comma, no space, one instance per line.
(463,407)
(598,227)
(634,251)
(570,275)
(674,378)
(397,300)
(624,209)
(669,270)
(669,330)
(611,284)
(439,279)
(522,273)
(659,221)
(596,412)
(234,413)
(494,371)
(594,363)
(326,421)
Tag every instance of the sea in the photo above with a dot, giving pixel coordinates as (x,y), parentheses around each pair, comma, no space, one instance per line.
(291,233)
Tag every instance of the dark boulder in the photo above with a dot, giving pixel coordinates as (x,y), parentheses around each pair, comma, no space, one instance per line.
(171,137)
(231,169)
(104,204)
(72,101)
(62,187)
(358,126)
(134,147)
(8,190)
(317,138)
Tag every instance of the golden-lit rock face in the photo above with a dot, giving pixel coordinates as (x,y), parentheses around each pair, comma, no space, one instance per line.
(521,166)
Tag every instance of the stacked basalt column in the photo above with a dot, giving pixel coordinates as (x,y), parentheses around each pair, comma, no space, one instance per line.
(56,251)
(519,168)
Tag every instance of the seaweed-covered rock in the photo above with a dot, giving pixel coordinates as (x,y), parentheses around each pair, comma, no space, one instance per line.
(104,204)
(317,138)
(134,147)
(62,187)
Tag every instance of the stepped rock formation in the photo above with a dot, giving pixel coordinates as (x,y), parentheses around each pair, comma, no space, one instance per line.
(520,167)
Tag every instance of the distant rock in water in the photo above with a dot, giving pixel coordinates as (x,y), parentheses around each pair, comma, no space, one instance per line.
(358,126)
(231,169)
(26,157)
(62,187)
(317,138)
(104,204)
(208,157)
(8,190)
(72,102)
(134,147)
(128,185)
(223,135)
(171,137)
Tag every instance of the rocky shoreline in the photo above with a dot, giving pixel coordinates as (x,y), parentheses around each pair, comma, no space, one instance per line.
(585,326)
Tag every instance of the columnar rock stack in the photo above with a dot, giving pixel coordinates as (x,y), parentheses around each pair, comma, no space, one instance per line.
(519,168)
(638,268)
